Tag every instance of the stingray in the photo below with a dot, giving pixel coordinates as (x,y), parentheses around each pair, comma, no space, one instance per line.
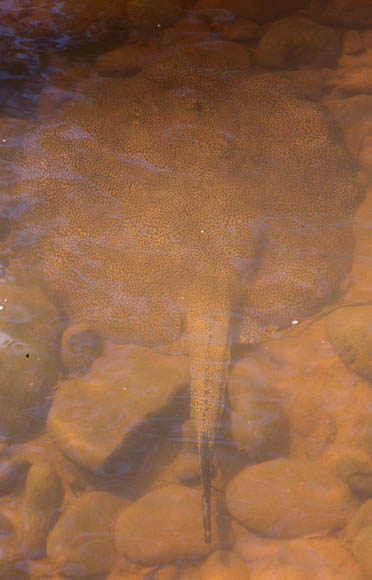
(188,208)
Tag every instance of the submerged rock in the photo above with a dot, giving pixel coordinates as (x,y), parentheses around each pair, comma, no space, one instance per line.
(253,9)
(39,510)
(47,19)
(82,543)
(354,114)
(29,362)
(163,526)
(349,331)
(157,14)
(356,13)
(95,415)
(12,472)
(287,498)
(224,565)
(303,558)
(239,29)
(6,526)
(185,467)
(361,519)
(297,41)
(258,422)
(352,42)
(362,548)
(125,59)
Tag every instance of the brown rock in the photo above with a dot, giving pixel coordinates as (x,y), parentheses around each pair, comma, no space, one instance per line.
(258,421)
(185,467)
(367,38)
(352,81)
(320,558)
(163,526)
(357,474)
(82,543)
(361,519)
(362,548)
(6,526)
(355,117)
(356,61)
(241,29)
(279,571)
(94,415)
(224,565)
(73,20)
(349,331)
(39,510)
(12,473)
(168,573)
(357,13)
(289,497)
(298,41)
(187,31)
(125,59)
(160,13)
(352,42)
(254,9)
(309,82)
(55,24)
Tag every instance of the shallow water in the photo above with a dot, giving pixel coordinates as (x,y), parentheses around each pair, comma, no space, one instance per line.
(103,117)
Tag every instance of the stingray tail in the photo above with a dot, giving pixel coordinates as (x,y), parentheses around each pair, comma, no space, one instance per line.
(209,366)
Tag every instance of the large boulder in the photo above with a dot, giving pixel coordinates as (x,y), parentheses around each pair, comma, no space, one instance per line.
(129,388)
(287,498)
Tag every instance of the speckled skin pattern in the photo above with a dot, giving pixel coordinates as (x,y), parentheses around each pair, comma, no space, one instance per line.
(189,206)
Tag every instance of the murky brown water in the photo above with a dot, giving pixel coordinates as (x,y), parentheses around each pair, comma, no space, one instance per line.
(173,191)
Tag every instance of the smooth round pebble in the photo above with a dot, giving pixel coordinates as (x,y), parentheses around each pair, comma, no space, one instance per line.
(163,526)
(287,498)
(349,331)
(82,544)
